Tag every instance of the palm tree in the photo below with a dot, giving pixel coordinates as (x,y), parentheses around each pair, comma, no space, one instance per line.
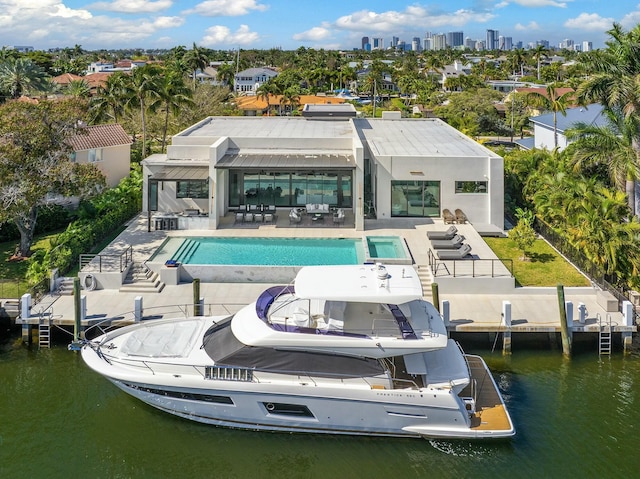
(20,76)
(265,90)
(142,89)
(552,101)
(226,73)
(196,59)
(78,88)
(173,94)
(539,52)
(110,98)
(611,146)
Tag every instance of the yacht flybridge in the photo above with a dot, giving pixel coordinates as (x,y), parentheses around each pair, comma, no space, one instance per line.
(342,350)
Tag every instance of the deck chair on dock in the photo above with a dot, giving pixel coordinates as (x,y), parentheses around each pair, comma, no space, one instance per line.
(461,253)
(442,235)
(448,217)
(454,243)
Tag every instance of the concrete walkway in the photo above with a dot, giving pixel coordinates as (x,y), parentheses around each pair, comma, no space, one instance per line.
(533,309)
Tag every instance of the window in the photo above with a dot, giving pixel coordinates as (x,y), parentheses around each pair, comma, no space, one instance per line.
(192,189)
(471,186)
(95,154)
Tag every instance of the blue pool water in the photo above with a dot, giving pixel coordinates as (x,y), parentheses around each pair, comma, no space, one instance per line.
(385,247)
(267,251)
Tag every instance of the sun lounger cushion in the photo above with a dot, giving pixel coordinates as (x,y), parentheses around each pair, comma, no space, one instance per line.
(448,234)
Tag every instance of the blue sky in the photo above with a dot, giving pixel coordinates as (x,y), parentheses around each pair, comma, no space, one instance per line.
(289,24)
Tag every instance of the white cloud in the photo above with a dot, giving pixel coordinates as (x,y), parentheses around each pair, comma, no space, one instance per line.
(590,22)
(222,35)
(528,27)
(630,20)
(536,3)
(226,8)
(133,6)
(412,17)
(314,34)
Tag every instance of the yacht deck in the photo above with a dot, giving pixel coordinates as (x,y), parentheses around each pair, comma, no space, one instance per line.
(490,411)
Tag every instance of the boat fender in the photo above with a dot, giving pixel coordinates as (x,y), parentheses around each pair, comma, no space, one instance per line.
(270,406)
(89,282)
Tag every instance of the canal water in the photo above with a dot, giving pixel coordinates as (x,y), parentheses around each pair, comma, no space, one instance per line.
(577,418)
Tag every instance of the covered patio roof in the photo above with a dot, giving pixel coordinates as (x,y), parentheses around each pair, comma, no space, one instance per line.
(284,161)
(181,173)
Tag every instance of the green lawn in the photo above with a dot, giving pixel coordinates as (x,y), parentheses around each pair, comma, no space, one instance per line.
(544,268)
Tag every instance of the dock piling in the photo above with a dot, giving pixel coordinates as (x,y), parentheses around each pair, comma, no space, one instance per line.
(196,298)
(627,318)
(564,329)
(25,314)
(77,311)
(137,309)
(506,322)
(435,296)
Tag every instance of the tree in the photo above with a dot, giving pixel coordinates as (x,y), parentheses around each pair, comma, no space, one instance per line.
(110,98)
(79,88)
(611,146)
(173,95)
(21,76)
(523,234)
(196,59)
(539,52)
(35,161)
(141,90)
(552,100)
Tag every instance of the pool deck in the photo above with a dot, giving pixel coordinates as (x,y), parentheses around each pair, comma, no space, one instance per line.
(533,309)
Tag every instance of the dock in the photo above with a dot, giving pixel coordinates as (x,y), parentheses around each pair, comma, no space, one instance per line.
(471,302)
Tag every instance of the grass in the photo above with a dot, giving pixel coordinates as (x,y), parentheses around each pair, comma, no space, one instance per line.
(545,267)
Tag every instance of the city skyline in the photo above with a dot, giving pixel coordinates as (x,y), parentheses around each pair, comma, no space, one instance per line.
(262,24)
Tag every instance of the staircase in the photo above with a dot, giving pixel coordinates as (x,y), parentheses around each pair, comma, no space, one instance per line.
(44,333)
(426,278)
(604,337)
(65,286)
(140,279)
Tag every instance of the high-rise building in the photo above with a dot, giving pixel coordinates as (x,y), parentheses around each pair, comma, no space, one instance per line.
(505,43)
(378,44)
(469,43)
(439,41)
(426,44)
(587,46)
(394,42)
(415,44)
(455,39)
(365,41)
(492,42)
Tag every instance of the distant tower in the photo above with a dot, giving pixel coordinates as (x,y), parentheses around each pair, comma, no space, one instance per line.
(365,42)
(492,40)
(587,46)
(455,39)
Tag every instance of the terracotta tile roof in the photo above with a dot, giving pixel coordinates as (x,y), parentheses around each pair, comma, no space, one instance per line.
(259,103)
(100,136)
(97,79)
(66,78)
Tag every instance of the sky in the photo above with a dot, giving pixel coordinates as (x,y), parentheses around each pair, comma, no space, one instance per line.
(290,24)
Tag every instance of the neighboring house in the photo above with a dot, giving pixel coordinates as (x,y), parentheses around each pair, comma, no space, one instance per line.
(65,79)
(106,146)
(96,80)
(543,134)
(257,105)
(248,81)
(414,168)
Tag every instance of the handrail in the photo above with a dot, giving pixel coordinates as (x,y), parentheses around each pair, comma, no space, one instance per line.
(105,260)
(477,268)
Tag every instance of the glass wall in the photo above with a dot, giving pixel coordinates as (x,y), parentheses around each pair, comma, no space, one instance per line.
(415,198)
(290,188)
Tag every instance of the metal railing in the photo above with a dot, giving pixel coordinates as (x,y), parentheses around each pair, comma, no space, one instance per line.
(108,262)
(476,268)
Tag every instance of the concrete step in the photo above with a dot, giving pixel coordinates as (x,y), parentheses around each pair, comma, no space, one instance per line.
(142,282)
(65,286)
(426,278)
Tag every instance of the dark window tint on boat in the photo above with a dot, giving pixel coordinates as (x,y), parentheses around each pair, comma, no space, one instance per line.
(183,394)
(297,410)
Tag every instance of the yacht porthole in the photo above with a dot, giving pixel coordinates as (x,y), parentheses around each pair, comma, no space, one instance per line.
(270,406)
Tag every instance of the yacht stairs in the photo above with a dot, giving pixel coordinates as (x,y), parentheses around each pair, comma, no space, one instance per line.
(604,336)
(141,279)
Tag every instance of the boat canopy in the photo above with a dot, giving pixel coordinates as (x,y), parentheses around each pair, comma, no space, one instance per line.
(391,284)
(225,349)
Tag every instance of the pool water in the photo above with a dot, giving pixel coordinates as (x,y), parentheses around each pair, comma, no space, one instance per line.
(385,247)
(262,251)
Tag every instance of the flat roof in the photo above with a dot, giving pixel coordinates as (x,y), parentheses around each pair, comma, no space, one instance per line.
(417,137)
(286,161)
(268,127)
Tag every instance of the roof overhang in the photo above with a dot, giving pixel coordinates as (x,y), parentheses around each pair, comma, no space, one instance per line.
(181,173)
(284,161)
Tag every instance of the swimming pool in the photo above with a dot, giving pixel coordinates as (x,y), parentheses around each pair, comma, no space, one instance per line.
(248,259)
(265,251)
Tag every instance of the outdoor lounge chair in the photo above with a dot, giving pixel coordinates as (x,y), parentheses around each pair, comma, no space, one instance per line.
(294,217)
(442,235)
(448,217)
(461,253)
(454,243)
(338,217)
(461,218)
(239,217)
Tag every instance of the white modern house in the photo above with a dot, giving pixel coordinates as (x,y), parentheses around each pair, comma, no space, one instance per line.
(543,129)
(248,81)
(400,168)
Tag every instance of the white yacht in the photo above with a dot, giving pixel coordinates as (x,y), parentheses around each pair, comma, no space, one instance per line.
(342,350)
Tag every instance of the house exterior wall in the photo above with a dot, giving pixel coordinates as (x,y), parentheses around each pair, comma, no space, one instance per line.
(115,163)
(543,138)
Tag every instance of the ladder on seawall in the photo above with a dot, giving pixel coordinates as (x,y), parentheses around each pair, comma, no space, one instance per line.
(604,336)
(44,332)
